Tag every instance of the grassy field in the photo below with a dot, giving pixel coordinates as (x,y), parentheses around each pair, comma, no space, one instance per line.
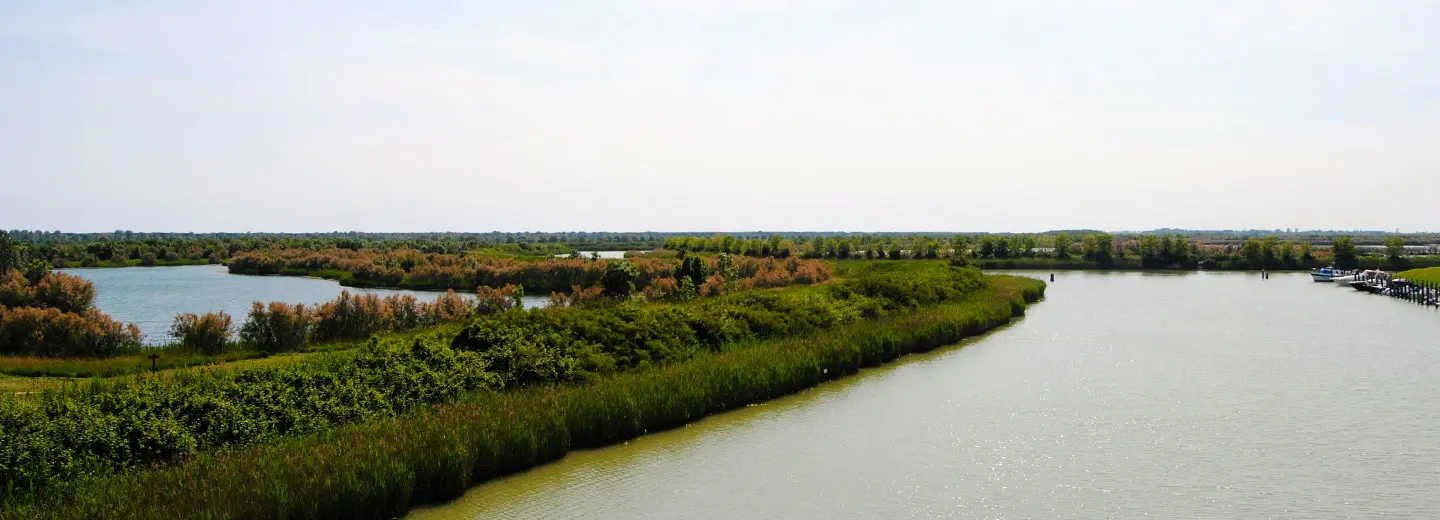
(173,358)
(1428,274)
(381,468)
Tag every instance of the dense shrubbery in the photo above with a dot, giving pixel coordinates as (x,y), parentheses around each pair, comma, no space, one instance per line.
(284,327)
(48,332)
(52,314)
(65,292)
(278,327)
(582,344)
(209,333)
(378,470)
(412,269)
(104,427)
(151,419)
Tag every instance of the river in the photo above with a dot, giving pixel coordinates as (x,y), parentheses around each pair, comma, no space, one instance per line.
(150,297)
(1122,395)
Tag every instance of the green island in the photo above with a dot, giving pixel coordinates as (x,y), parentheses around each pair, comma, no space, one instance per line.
(365,406)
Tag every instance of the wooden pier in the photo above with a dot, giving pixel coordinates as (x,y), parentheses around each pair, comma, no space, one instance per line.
(1421,292)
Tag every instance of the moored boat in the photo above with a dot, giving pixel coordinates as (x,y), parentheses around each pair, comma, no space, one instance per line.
(1367,274)
(1323,274)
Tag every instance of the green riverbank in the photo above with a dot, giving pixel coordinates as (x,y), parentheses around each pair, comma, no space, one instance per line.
(378,469)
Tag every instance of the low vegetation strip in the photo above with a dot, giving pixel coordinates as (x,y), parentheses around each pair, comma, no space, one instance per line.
(116,426)
(1428,274)
(380,469)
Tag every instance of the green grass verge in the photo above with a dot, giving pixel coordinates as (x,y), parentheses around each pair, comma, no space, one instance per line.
(175,357)
(380,469)
(1428,274)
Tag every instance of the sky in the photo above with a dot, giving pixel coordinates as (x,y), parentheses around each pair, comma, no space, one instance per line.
(676,115)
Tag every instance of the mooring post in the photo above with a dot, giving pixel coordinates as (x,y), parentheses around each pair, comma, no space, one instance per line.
(1052,277)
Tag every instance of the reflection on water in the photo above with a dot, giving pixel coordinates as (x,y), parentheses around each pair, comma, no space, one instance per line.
(1204,395)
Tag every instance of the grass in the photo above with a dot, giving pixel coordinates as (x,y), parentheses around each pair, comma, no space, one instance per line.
(175,358)
(1428,274)
(12,385)
(380,469)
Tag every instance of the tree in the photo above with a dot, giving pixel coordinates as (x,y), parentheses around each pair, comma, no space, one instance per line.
(961,245)
(1252,253)
(1062,244)
(1287,254)
(692,268)
(1002,248)
(1151,252)
(1394,249)
(1099,249)
(619,279)
(1344,250)
(9,255)
(1027,246)
(726,265)
(1268,246)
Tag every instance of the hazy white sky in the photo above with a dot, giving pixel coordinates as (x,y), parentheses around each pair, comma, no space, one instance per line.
(268,115)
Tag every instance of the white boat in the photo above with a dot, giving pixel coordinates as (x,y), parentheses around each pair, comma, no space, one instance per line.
(1361,276)
(1323,274)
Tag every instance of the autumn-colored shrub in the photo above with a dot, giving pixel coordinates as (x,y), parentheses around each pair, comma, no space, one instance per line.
(352,317)
(559,299)
(713,286)
(578,296)
(209,332)
(447,307)
(489,300)
(661,288)
(413,269)
(406,312)
(15,290)
(49,332)
(66,292)
(278,327)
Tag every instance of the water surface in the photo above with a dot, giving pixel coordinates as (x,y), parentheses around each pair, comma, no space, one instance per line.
(150,297)
(1123,395)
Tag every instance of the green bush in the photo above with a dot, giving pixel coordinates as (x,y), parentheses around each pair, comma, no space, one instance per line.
(278,327)
(208,333)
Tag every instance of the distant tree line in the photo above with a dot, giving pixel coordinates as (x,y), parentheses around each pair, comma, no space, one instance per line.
(1064,250)
(1149,249)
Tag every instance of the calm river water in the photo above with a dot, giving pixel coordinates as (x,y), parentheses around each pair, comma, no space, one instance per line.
(1123,395)
(150,297)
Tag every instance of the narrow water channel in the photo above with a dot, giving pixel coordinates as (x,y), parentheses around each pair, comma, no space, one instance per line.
(1200,395)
